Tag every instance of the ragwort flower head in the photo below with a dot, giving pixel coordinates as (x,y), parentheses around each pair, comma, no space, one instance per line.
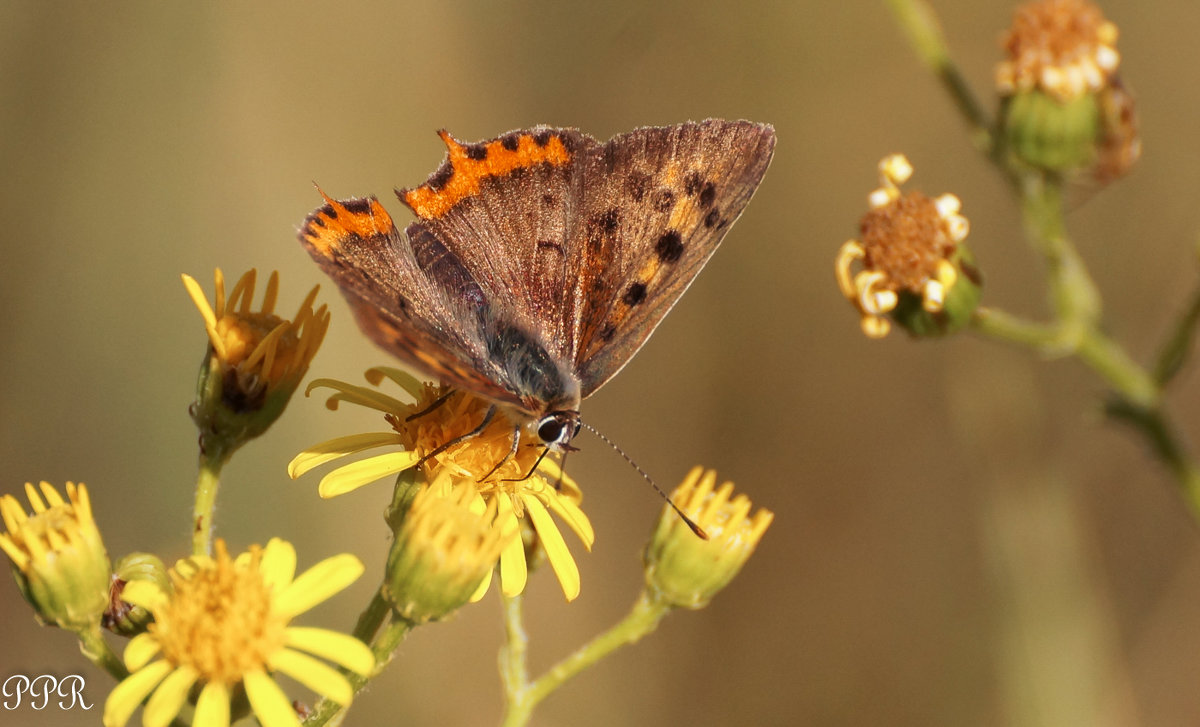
(225,628)
(685,571)
(255,359)
(57,555)
(915,268)
(523,485)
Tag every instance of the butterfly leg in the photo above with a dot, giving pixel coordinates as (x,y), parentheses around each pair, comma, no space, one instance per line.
(516,439)
(545,451)
(487,419)
(432,407)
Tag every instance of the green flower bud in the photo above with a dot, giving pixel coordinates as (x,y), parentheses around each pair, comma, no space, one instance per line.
(125,618)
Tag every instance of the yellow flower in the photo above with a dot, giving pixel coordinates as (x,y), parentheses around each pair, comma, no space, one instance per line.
(57,555)
(255,360)
(225,625)
(444,550)
(911,257)
(686,571)
(522,487)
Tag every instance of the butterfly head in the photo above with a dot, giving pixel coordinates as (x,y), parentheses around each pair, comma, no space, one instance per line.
(557,428)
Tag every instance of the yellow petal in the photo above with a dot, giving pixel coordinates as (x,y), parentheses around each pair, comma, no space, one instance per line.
(411,384)
(575,519)
(212,708)
(278,564)
(318,583)
(513,572)
(353,476)
(126,696)
(361,395)
(168,699)
(316,675)
(268,701)
(483,587)
(556,549)
(334,449)
(141,649)
(336,647)
(200,299)
(146,594)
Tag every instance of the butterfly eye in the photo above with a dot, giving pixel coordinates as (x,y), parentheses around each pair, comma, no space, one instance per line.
(549,430)
(556,428)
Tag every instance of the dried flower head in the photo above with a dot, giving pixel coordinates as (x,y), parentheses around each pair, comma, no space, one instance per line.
(1065,48)
(910,247)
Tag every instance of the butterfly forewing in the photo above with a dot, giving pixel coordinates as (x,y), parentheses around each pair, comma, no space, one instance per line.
(396,303)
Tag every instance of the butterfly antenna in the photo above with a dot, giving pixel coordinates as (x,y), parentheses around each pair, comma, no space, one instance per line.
(699,531)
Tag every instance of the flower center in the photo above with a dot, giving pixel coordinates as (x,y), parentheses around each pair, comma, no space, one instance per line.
(907,239)
(473,457)
(220,621)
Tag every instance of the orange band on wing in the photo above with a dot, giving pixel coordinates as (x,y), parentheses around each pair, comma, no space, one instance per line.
(469,166)
(327,228)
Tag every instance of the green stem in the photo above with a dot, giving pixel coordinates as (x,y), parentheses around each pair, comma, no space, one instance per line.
(96,649)
(1076,331)
(924,33)
(514,672)
(1073,294)
(208,480)
(372,617)
(1153,424)
(326,711)
(1175,350)
(642,619)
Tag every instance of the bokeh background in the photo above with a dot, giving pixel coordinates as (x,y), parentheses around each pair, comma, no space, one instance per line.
(960,539)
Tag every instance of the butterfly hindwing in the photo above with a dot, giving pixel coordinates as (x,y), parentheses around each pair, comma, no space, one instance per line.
(657,203)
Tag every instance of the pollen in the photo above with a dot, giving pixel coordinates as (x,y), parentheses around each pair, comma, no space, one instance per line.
(220,621)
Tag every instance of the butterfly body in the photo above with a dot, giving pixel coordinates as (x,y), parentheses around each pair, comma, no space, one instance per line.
(541,261)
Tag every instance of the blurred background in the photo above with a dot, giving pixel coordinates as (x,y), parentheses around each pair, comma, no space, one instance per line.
(960,538)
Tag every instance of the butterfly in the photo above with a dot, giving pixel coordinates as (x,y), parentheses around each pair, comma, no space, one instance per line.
(541,260)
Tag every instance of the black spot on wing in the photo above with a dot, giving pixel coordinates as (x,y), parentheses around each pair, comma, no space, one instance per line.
(440,178)
(634,294)
(358,205)
(669,247)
